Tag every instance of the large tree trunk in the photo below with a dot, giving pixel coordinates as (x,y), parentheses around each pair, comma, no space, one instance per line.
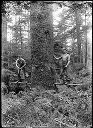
(41,30)
(41,33)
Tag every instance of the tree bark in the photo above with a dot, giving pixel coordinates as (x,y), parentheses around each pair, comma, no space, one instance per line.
(41,33)
(42,29)
(86,41)
(78,34)
(4,38)
(4,33)
(4,30)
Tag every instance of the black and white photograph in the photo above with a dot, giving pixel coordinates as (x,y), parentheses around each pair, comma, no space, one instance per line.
(46,64)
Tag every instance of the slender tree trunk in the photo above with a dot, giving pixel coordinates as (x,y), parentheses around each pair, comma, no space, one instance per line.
(4,33)
(30,42)
(73,49)
(4,30)
(83,50)
(20,30)
(4,37)
(78,34)
(86,41)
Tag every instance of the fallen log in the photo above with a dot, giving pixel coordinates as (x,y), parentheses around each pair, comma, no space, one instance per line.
(77,86)
(73,84)
(19,82)
(66,84)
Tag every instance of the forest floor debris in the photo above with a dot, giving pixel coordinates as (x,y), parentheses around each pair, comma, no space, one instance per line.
(69,108)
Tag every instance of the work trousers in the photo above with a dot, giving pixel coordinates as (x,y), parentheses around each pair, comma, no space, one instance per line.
(19,74)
